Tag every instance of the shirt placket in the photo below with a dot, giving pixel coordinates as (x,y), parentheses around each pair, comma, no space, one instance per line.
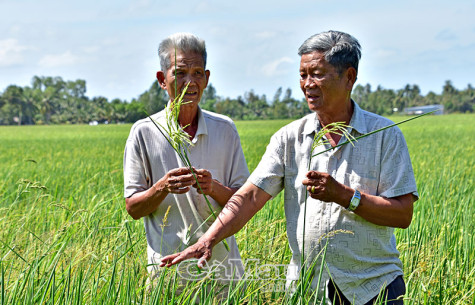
(332,161)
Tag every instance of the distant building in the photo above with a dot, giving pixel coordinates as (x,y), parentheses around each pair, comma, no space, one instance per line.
(424,109)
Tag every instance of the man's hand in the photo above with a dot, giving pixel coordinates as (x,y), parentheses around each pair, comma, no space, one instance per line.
(176,181)
(201,250)
(205,179)
(323,186)
(212,187)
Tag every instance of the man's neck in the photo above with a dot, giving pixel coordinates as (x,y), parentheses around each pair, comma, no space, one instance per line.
(189,117)
(336,115)
(326,117)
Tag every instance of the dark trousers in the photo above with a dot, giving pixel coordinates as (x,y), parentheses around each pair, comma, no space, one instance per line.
(396,289)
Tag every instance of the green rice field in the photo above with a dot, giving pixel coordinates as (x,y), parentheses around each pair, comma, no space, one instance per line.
(66,238)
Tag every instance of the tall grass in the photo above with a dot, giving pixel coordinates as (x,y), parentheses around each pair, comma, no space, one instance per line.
(67,239)
(438,249)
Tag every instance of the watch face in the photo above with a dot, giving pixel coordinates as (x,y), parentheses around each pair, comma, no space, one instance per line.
(355,201)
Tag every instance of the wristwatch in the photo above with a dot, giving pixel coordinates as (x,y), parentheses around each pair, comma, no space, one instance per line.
(355,201)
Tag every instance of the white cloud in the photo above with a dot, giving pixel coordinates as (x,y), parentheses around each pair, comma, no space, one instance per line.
(276,67)
(11,52)
(58,60)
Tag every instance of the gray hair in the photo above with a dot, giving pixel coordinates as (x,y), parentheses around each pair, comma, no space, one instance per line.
(184,42)
(340,49)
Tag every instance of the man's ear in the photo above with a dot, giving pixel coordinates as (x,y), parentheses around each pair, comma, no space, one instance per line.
(350,78)
(207,73)
(161,80)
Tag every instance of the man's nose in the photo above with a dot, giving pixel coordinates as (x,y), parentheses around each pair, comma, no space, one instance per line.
(189,79)
(309,82)
(186,81)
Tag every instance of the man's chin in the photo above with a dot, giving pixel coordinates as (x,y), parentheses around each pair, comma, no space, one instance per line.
(314,106)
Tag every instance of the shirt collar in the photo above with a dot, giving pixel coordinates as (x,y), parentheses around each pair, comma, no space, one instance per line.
(311,125)
(202,127)
(357,122)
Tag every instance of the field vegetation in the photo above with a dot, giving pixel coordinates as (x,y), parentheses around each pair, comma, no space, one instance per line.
(53,100)
(66,238)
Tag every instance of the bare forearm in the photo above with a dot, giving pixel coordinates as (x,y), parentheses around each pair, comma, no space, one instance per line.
(241,207)
(176,181)
(221,193)
(144,203)
(244,204)
(391,212)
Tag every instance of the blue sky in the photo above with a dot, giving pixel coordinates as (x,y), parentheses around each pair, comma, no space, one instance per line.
(251,44)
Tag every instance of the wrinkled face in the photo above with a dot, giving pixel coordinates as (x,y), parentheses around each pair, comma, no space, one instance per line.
(189,69)
(322,84)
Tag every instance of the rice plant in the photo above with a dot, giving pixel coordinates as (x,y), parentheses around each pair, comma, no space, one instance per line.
(67,239)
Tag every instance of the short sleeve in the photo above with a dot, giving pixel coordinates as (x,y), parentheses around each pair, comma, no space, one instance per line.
(269,173)
(239,170)
(135,172)
(397,175)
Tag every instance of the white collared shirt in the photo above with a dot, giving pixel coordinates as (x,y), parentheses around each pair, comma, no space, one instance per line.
(148,157)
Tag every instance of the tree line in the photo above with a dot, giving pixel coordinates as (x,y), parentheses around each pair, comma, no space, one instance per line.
(52,100)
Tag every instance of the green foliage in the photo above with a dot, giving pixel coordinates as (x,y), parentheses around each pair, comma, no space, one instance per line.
(67,239)
(384,101)
(55,101)
(51,100)
(155,99)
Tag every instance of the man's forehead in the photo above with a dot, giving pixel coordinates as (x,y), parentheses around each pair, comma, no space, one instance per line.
(315,58)
(187,59)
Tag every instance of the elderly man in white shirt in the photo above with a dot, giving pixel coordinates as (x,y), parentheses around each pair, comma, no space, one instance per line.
(368,189)
(159,188)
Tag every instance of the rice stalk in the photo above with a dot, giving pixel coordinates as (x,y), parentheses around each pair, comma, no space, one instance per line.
(372,132)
